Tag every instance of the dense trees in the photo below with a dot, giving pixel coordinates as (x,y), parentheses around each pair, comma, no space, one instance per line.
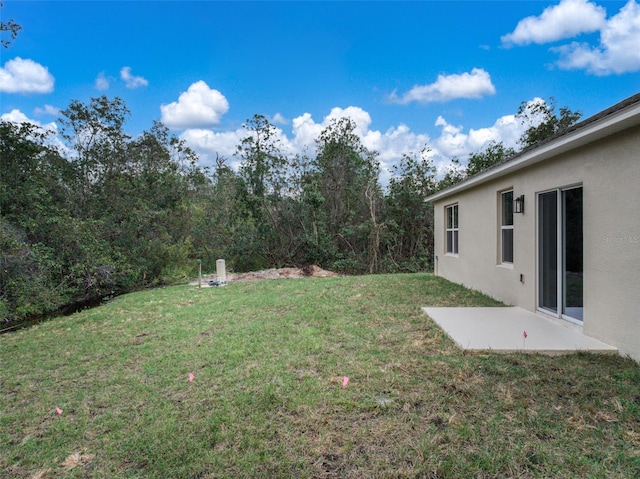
(408,231)
(347,181)
(108,213)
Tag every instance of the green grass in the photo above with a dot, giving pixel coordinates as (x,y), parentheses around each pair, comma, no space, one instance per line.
(267,399)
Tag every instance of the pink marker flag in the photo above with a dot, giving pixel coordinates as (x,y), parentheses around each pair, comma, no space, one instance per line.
(191,377)
(345,381)
(58,410)
(525,334)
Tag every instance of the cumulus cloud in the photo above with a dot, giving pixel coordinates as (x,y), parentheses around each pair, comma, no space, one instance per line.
(102,83)
(47,110)
(303,135)
(53,139)
(506,129)
(454,141)
(361,118)
(132,81)
(305,131)
(17,117)
(25,76)
(209,144)
(566,20)
(618,51)
(391,145)
(278,119)
(475,84)
(198,107)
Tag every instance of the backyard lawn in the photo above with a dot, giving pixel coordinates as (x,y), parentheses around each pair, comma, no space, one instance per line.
(323,378)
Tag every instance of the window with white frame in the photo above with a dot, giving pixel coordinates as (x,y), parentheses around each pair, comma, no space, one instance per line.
(452,229)
(506,227)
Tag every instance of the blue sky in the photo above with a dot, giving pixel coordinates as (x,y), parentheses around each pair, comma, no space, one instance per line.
(443,74)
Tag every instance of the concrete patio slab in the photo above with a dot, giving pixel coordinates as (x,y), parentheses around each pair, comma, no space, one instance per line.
(503,330)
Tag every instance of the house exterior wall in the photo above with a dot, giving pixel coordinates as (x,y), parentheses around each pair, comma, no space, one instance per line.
(609,172)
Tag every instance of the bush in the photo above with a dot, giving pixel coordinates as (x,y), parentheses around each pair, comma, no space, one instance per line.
(27,279)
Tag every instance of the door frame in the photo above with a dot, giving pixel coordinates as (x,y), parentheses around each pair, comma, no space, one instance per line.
(560,255)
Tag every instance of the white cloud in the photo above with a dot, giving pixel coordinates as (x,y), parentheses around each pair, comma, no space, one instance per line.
(102,82)
(302,139)
(566,20)
(132,81)
(16,116)
(25,76)
(452,141)
(305,131)
(455,142)
(53,139)
(207,144)
(361,118)
(507,130)
(278,119)
(47,110)
(619,49)
(198,107)
(475,84)
(391,145)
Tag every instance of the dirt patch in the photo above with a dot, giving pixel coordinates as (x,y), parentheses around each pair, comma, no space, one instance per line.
(312,271)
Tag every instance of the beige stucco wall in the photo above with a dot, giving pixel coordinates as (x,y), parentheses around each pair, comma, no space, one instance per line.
(609,172)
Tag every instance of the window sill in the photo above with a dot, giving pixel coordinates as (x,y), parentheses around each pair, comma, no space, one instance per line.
(451,255)
(505,265)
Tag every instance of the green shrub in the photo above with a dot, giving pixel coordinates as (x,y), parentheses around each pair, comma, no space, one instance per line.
(27,277)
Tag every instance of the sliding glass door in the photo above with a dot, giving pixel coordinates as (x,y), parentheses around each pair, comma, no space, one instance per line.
(560,258)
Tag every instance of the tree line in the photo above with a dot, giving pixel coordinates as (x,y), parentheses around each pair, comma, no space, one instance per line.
(106,213)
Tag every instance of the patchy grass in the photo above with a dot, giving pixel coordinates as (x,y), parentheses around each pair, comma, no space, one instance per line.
(267,397)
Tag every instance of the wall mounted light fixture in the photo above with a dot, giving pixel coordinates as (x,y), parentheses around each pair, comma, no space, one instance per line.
(518,204)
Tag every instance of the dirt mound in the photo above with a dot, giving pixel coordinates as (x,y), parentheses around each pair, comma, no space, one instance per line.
(312,271)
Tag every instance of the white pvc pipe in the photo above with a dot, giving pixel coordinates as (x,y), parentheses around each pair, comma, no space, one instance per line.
(221,272)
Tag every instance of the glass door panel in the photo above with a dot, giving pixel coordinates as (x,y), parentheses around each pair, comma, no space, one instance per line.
(548,251)
(572,270)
